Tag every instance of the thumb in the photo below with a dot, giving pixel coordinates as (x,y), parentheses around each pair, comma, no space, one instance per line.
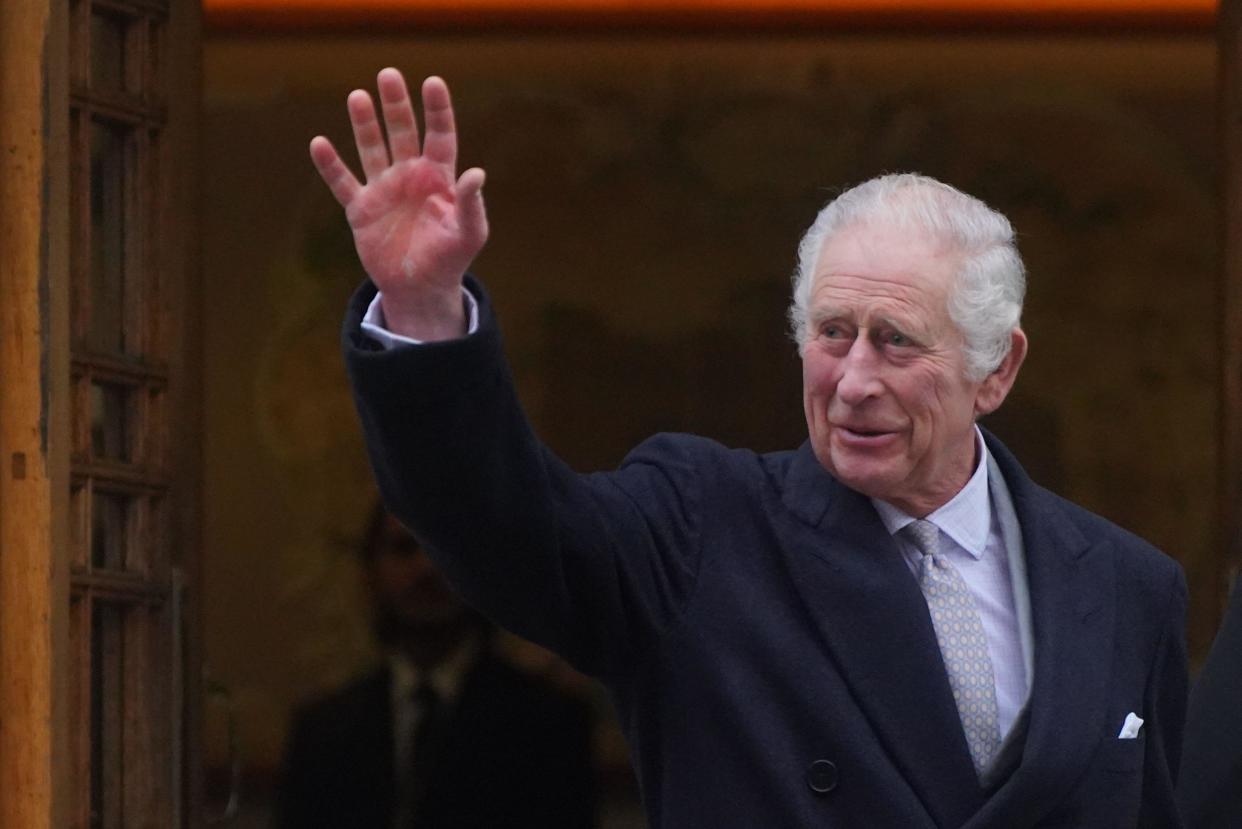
(472,215)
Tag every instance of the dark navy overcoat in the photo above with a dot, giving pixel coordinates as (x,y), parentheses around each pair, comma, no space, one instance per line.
(770,656)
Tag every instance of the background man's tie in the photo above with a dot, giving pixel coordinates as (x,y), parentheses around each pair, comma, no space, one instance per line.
(963,644)
(428,737)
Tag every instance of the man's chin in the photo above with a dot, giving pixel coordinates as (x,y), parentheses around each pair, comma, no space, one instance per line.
(860,471)
(865,479)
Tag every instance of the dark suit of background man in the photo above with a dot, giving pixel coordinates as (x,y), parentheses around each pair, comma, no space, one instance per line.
(1210,789)
(890,626)
(443,735)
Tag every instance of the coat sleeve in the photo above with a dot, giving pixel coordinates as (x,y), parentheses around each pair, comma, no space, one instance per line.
(590,566)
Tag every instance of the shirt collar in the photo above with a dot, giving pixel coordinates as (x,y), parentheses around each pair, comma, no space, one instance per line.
(445,677)
(966,518)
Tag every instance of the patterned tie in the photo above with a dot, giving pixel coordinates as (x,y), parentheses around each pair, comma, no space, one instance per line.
(963,644)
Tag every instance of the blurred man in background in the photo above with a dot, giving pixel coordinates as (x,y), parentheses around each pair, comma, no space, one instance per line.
(1210,789)
(443,733)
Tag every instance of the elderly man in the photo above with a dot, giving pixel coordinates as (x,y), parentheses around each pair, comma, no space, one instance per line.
(891,626)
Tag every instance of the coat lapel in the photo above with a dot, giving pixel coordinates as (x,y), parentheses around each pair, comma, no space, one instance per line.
(874,621)
(1072,591)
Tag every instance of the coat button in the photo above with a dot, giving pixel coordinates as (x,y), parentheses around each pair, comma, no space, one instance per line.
(822,776)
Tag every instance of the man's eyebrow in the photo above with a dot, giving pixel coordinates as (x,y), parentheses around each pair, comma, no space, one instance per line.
(827,312)
(888,321)
(906,326)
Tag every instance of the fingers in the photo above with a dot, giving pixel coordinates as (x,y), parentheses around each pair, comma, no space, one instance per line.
(440,143)
(333,170)
(368,137)
(398,115)
(471,216)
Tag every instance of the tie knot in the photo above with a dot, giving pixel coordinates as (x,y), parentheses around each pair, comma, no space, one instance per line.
(924,535)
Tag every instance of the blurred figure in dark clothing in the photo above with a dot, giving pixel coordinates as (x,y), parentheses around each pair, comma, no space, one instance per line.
(443,734)
(1210,788)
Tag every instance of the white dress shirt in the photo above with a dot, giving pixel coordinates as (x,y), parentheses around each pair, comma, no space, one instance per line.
(971,538)
(374,324)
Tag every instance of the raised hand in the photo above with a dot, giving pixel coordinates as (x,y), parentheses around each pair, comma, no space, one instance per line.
(416,225)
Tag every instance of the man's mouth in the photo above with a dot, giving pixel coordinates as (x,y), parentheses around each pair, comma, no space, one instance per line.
(863,431)
(862,436)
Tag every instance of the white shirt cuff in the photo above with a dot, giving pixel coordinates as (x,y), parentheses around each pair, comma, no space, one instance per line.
(373,322)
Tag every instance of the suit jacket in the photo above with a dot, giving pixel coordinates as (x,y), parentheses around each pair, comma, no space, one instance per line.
(516,755)
(1210,789)
(771,658)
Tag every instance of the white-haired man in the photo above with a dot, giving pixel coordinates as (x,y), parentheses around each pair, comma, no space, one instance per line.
(889,627)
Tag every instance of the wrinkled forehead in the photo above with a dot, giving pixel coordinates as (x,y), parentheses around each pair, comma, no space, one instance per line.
(885,260)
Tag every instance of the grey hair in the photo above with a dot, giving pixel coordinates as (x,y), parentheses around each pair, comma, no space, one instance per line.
(986,302)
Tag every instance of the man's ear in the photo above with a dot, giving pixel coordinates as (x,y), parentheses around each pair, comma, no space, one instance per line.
(995,387)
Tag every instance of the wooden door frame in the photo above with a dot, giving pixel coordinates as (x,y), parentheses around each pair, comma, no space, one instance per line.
(181,199)
(34,415)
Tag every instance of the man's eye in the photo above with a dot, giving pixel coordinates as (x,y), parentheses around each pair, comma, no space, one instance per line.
(833,332)
(898,339)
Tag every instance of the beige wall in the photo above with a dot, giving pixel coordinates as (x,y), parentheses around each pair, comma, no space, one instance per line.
(646,194)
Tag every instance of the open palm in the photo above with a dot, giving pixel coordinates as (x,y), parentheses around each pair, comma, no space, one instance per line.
(416,225)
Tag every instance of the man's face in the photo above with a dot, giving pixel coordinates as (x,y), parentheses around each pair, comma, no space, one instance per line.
(407,588)
(888,406)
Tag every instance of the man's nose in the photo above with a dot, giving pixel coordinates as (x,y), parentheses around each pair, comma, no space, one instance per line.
(859,373)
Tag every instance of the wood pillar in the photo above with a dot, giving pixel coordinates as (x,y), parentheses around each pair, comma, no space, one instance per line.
(33,460)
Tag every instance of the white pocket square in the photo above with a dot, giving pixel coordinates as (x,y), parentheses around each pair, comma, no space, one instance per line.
(1130,728)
